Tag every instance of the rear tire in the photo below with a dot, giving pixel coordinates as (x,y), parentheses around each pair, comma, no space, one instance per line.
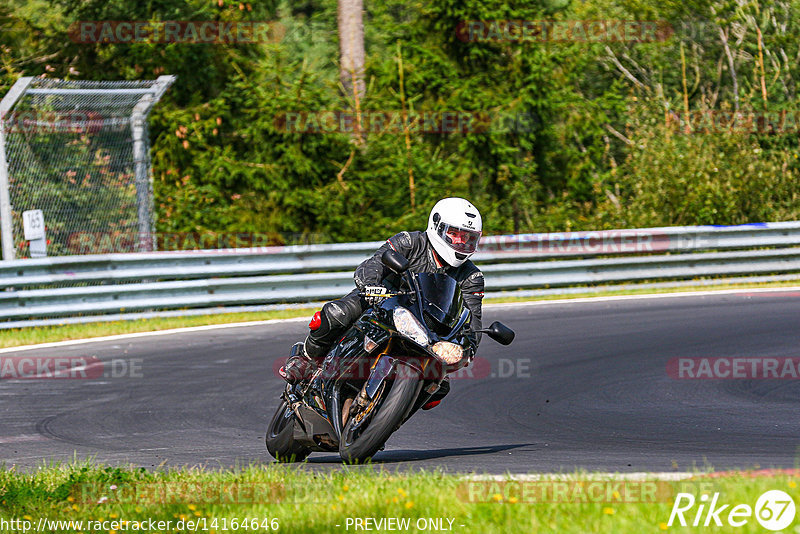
(359,447)
(280,440)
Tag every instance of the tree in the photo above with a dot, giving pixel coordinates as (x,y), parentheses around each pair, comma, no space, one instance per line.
(351,53)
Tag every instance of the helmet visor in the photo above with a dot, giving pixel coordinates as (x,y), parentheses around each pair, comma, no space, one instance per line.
(459,239)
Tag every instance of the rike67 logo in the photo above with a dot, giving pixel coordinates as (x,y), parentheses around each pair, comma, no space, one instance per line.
(774,510)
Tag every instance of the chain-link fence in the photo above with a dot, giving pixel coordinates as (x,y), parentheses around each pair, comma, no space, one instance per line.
(78,151)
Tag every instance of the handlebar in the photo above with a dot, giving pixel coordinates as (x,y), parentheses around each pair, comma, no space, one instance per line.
(386,295)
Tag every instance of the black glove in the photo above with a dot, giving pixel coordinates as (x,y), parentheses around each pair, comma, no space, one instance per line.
(374,294)
(471,346)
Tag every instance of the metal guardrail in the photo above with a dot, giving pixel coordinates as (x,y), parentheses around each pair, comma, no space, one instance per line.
(115,283)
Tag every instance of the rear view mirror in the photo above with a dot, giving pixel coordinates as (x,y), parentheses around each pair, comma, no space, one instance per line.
(500,333)
(395,261)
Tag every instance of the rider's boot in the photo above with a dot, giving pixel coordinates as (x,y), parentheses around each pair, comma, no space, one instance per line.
(326,325)
(299,366)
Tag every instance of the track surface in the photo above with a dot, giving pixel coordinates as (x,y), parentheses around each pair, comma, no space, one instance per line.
(597,396)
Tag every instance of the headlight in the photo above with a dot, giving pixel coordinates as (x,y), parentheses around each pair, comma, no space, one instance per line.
(407,324)
(447,352)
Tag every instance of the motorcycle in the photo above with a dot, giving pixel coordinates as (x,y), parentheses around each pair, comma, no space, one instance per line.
(385,367)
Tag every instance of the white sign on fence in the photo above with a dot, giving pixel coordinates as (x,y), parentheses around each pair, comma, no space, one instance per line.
(33,224)
(33,227)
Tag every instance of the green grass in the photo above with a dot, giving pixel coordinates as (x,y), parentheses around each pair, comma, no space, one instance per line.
(647,291)
(15,337)
(303,501)
(28,336)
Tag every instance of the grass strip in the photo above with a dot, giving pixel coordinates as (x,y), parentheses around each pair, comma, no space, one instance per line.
(289,499)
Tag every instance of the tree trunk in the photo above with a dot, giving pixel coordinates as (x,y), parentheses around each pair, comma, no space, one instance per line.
(351,48)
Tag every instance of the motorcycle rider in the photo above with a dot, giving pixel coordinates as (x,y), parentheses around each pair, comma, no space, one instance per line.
(454,228)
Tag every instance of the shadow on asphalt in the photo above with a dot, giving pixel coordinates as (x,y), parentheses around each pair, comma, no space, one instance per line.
(409,455)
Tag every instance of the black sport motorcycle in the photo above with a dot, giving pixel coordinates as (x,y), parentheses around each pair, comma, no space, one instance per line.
(386,367)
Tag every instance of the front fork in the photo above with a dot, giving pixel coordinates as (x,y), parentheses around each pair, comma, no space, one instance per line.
(383,367)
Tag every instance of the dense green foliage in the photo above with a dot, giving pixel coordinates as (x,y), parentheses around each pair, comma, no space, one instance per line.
(602,144)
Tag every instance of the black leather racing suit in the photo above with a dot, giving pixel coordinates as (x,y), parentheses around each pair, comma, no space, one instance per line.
(338,315)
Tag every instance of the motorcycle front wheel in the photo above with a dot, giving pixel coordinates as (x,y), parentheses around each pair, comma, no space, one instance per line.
(365,433)
(280,440)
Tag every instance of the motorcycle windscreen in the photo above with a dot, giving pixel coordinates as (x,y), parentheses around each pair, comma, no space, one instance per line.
(441,297)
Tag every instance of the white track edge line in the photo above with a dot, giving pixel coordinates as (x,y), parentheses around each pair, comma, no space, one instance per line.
(132,335)
(710,292)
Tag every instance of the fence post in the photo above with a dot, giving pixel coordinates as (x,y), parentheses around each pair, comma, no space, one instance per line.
(142,182)
(6,225)
(143,177)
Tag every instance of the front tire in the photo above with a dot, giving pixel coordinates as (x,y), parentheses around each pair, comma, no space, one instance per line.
(280,440)
(357,445)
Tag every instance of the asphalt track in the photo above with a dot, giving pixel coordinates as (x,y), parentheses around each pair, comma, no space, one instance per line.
(588,388)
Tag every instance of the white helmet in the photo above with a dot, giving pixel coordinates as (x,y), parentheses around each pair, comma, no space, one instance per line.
(454,228)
